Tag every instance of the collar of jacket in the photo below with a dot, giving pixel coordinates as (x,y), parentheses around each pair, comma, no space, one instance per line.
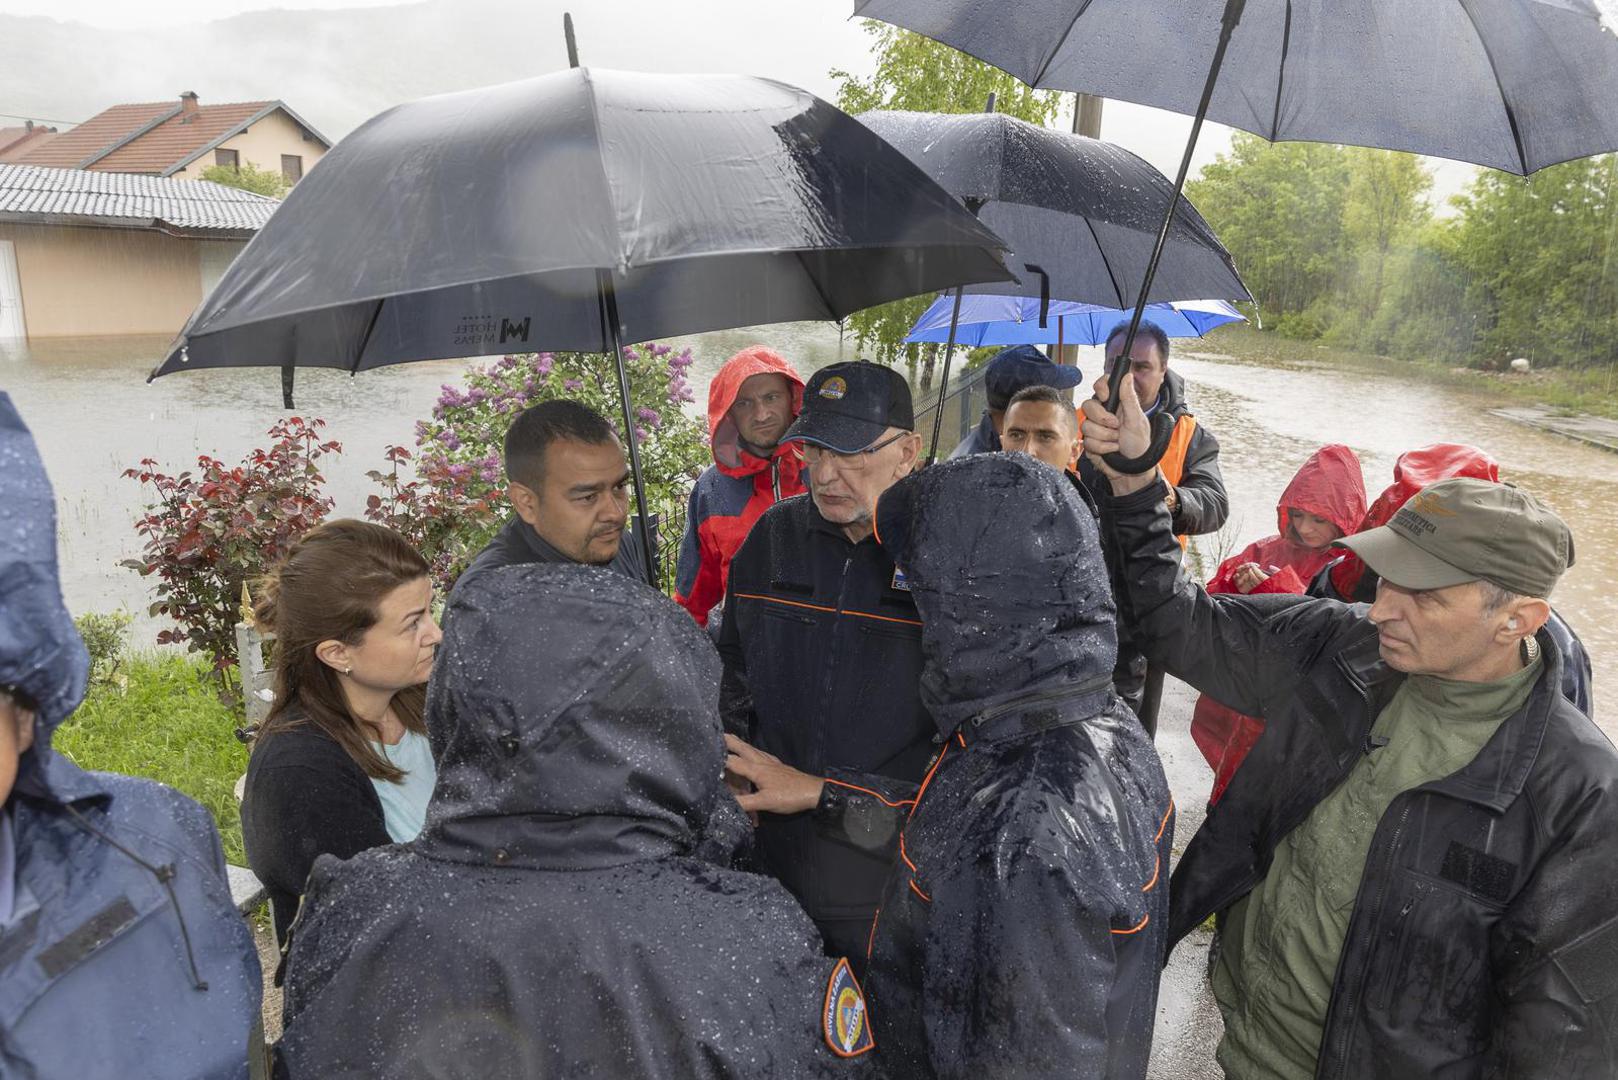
(540,546)
(551,841)
(1496,777)
(47,777)
(1039,710)
(750,463)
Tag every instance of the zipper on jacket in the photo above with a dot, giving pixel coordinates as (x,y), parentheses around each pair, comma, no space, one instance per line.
(775,479)
(833,654)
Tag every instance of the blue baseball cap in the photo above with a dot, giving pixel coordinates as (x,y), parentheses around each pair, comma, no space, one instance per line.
(848,406)
(1020,367)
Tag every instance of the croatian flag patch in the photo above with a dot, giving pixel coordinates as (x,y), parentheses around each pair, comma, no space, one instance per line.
(847,1023)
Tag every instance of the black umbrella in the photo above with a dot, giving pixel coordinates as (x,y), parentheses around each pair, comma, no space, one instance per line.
(1080,214)
(581,210)
(1511,84)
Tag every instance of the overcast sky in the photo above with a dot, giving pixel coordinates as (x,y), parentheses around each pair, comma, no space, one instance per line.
(796,40)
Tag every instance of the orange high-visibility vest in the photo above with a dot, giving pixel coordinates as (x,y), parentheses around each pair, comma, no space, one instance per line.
(1172,465)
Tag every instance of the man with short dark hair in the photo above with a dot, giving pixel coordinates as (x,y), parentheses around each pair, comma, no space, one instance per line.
(1412,870)
(568,482)
(1012,369)
(821,640)
(1194,485)
(1042,423)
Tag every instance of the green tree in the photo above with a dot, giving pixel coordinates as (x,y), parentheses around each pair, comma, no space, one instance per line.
(1541,256)
(922,75)
(1278,208)
(248,177)
(1384,207)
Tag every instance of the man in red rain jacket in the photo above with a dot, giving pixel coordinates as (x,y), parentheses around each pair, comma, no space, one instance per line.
(751,403)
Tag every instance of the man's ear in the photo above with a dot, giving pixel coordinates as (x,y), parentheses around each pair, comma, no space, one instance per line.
(524,501)
(910,454)
(1524,618)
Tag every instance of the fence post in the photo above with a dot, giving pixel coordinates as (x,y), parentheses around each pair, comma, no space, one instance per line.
(257,679)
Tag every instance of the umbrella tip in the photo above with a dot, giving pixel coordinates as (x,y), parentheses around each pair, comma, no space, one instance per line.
(572,43)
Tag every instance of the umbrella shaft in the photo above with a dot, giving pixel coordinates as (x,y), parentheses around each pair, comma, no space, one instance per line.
(609,301)
(1120,366)
(943,383)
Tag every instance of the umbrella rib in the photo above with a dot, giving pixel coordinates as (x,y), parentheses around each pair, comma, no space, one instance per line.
(1511,114)
(820,292)
(1049,59)
(1281,73)
(365,338)
(1117,290)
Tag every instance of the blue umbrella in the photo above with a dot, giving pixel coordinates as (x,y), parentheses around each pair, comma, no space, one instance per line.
(1014,320)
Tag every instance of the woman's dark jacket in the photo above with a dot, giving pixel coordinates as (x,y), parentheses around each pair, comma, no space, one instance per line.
(1484,937)
(304,798)
(1025,922)
(551,921)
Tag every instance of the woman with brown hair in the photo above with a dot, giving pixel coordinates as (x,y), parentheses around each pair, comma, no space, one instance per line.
(342,762)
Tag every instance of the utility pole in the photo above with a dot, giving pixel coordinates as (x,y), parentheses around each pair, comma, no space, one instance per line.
(1086,121)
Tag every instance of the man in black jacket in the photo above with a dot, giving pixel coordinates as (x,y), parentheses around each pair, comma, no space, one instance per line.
(1194,489)
(821,641)
(551,920)
(1413,868)
(568,482)
(1025,920)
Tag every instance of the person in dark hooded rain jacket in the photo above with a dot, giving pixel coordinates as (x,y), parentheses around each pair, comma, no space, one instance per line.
(1324,502)
(1348,579)
(751,403)
(1024,923)
(1412,872)
(121,953)
(550,921)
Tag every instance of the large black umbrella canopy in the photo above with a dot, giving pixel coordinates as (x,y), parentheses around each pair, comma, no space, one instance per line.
(1084,212)
(1512,84)
(479,222)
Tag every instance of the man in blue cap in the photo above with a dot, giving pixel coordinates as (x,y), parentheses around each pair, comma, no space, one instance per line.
(821,641)
(1011,370)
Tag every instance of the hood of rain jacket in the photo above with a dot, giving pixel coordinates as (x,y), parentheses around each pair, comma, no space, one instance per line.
(724,440)
(549,921)
(1024,922)
(124,946)
(1329,485)
(1008,607)
(729,497)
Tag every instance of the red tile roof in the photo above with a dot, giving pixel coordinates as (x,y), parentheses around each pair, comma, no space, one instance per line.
(177,138)
(96,135)
(149,138)
(14,142)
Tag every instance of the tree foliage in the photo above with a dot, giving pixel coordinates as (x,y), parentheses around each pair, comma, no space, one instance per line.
(919,74)
(248,177)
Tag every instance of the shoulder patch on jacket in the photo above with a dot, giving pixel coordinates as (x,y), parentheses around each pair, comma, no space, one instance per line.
(846,1021)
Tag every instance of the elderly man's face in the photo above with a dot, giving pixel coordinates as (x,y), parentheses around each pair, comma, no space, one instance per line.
(1147,366)
(845,487)
(1044,430)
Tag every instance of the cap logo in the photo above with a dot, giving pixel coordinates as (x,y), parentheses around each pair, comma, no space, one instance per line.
(1425,502)
(834,388)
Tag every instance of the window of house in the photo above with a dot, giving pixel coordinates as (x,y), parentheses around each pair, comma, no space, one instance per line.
(292,168)
(227,158)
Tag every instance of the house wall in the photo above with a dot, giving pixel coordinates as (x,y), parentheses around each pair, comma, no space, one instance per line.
(262,144)
(92,282)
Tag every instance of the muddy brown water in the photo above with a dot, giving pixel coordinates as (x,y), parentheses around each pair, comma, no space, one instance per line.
(94,415)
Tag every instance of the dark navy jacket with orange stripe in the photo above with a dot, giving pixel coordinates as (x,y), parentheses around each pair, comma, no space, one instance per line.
(733,492)
(822,669)
(1024,925)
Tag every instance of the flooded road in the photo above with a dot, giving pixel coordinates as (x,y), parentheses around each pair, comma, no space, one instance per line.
(95,416)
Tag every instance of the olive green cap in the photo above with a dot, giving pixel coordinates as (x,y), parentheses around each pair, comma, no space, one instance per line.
(1463,530)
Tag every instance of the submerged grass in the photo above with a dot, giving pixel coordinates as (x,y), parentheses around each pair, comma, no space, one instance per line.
(1592,390)
(163,720)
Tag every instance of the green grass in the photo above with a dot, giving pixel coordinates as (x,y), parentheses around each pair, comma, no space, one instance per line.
(1592,390)
(167,724)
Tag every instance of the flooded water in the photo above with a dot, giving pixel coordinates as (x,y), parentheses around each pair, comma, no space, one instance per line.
(94,416)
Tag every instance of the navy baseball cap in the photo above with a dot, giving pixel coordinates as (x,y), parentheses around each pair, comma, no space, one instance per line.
(847,407)
(1020,367)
